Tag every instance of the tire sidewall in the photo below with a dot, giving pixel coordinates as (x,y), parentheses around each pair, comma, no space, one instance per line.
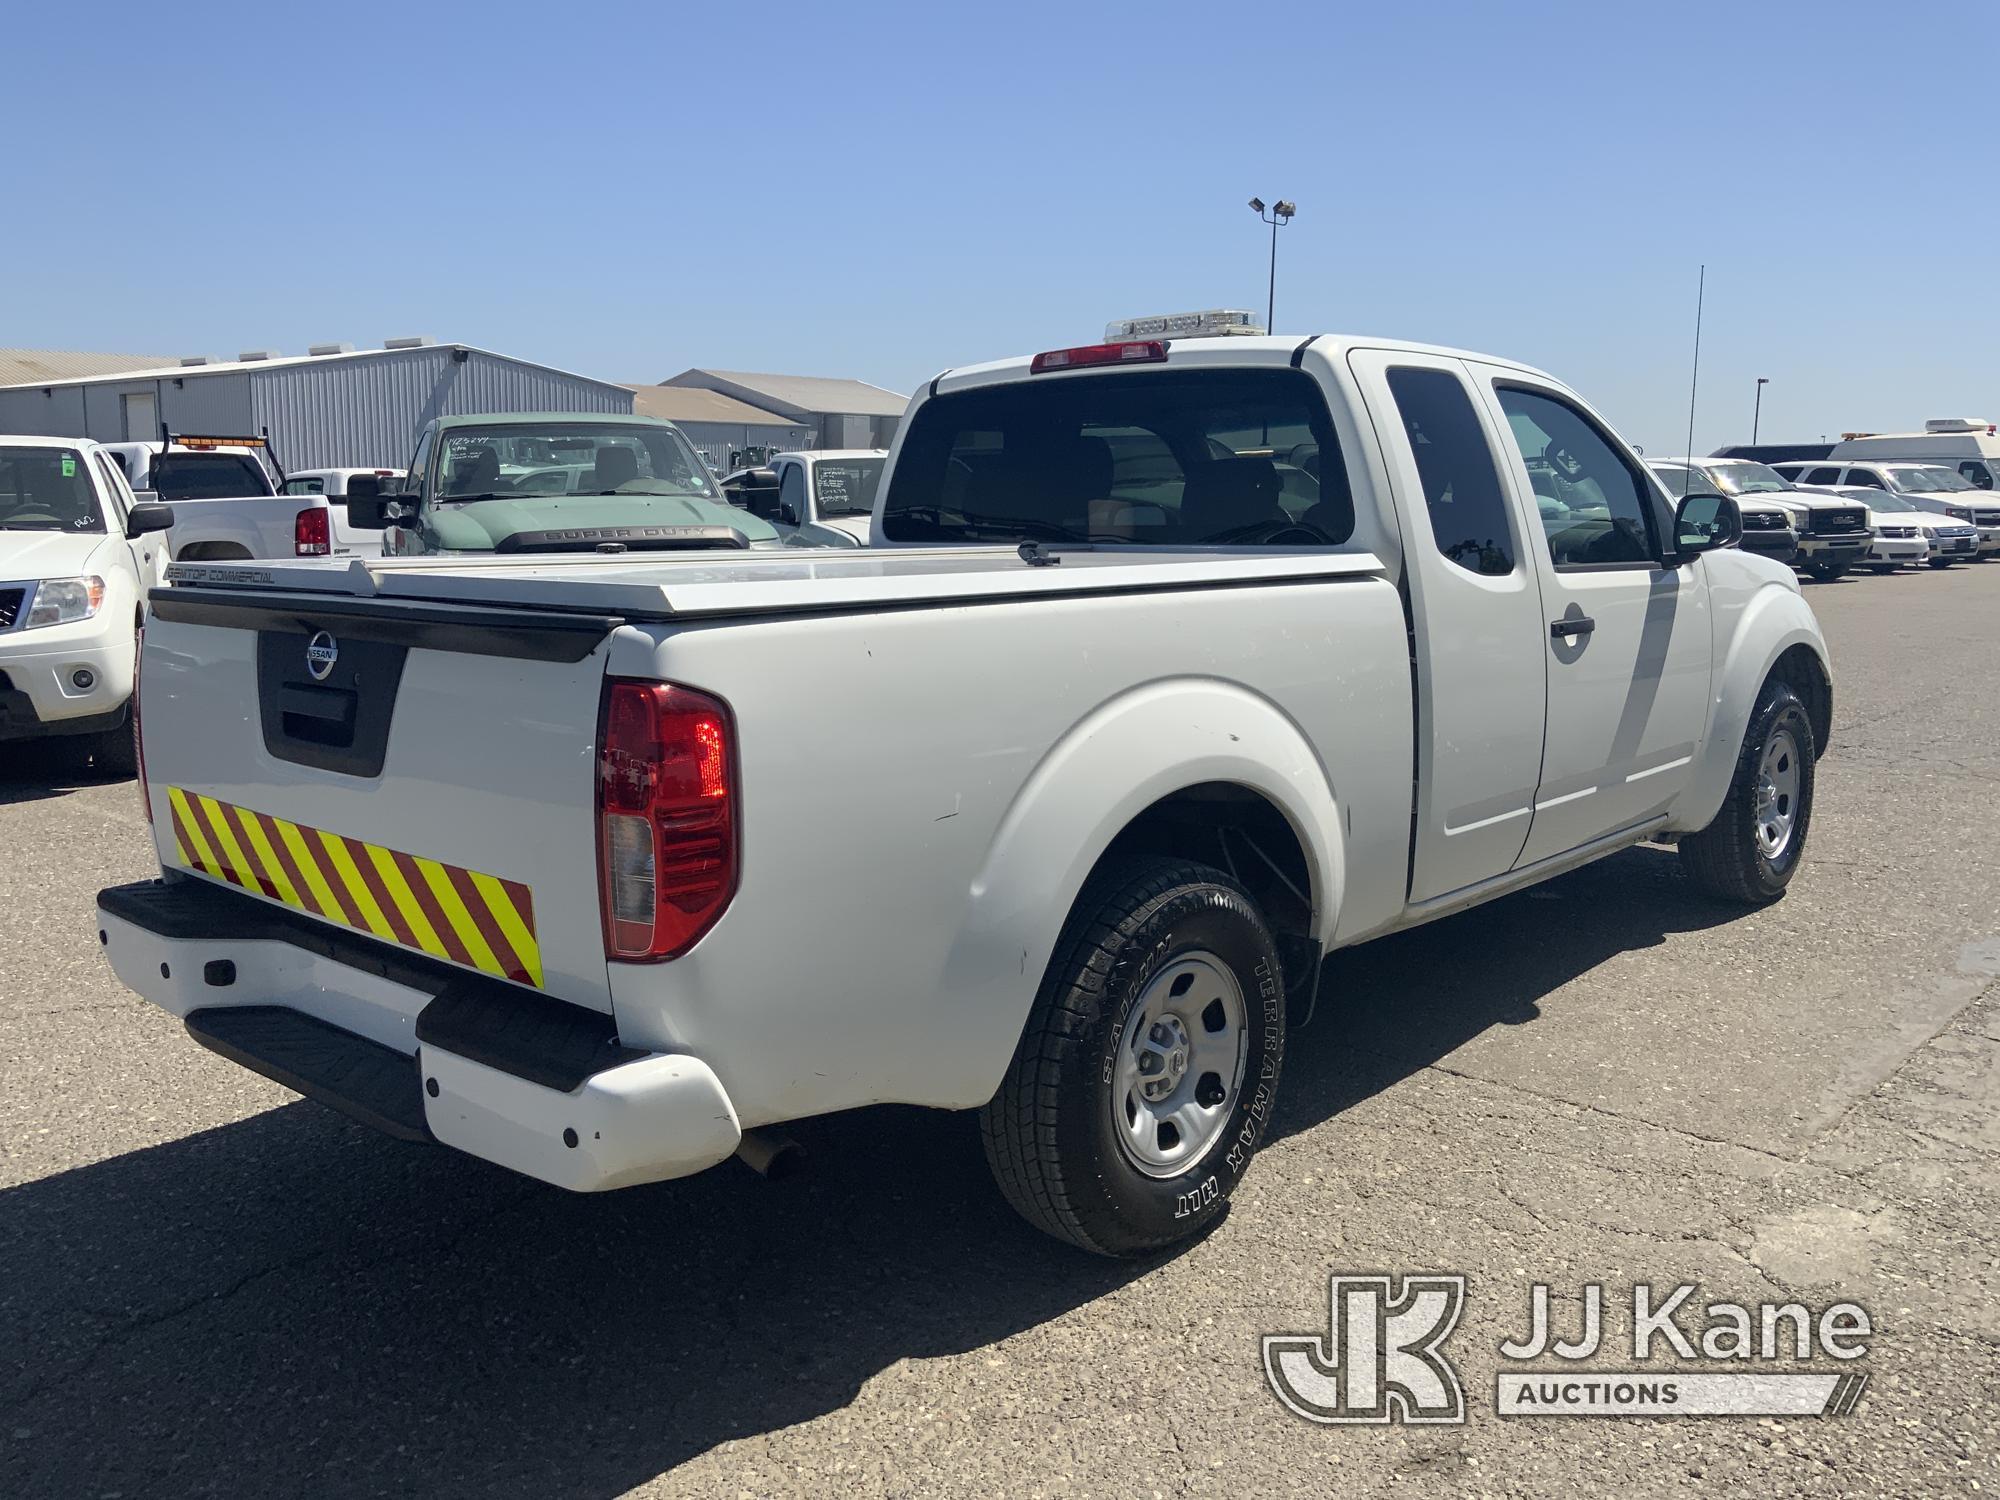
(1155,1210)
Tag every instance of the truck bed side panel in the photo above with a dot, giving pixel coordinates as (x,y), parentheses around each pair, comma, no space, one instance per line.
(880,755)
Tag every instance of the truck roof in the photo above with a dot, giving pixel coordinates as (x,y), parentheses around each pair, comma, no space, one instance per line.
(33,440)
(517,418)
(1257,349)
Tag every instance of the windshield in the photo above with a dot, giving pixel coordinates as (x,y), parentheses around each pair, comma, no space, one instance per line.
(846,486)
(1747,479)
(1163,458)
(1926,480)
(47,489)
(208,476)
(502,462)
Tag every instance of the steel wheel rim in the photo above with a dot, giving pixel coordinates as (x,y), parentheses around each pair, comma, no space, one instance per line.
(1777,806)
(1179,1066)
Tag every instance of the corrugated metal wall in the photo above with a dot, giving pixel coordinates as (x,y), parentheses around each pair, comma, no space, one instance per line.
(368,411)
(59,414)
(358,411)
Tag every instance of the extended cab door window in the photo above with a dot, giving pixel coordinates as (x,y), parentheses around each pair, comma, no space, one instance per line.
(1478,615)
(1822,475)
(1866,478)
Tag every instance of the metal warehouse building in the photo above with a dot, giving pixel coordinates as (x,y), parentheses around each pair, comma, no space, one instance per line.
(719,425)
(329,408)
(842,413)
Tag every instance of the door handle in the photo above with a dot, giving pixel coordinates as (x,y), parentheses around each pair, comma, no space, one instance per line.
(1576,625)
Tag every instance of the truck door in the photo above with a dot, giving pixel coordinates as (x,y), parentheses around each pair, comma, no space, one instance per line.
(1626,638)
(1476,609)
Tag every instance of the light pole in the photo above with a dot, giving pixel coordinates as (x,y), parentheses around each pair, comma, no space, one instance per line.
(1279,214)
(1757,412)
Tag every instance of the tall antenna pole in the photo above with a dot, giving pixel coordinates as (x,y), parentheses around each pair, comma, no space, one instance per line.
(1694,381)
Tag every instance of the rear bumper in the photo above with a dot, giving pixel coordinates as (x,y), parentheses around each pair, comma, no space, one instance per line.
(413,1047)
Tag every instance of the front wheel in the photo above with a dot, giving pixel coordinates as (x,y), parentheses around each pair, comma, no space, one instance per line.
(1941,562)
(1827,572)
(1146,1074)
(1751,849)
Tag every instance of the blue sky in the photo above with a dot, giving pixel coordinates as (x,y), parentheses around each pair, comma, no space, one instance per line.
(627,190)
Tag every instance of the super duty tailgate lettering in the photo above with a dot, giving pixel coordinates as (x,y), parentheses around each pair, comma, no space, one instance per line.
(462,916)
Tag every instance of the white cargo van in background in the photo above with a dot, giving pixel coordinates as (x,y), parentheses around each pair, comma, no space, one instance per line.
(1963,443)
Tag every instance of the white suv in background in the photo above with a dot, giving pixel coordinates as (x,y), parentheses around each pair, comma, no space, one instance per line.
(1925,487)
(77,557)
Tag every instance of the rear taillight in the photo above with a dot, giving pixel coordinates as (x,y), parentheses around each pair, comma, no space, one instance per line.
(311,536)
(138,739)
(666,817)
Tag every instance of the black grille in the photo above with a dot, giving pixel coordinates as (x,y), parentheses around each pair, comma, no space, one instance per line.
(1840,520)
(10,606)
(1762,520)
(1988,517)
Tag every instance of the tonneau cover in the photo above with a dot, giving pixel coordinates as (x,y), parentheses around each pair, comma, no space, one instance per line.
(649,586)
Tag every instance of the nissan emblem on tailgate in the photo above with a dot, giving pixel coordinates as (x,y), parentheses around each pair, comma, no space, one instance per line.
(322,651)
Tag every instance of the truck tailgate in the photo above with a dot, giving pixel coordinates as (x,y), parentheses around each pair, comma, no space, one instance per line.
(425,779)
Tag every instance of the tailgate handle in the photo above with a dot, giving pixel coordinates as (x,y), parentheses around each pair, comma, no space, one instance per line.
(324,716)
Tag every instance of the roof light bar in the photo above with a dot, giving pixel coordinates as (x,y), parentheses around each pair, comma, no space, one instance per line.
(1130,352)
(1216,322)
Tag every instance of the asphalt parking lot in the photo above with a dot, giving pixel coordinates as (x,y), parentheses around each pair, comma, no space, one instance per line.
(209,1286)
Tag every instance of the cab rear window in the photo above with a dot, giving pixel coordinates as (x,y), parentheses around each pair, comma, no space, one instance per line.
(1173,458)
(207,476)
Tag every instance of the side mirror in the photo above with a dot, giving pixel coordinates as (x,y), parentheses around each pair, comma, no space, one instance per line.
(1704,522)
(367,512)
(148,516)
(760,493)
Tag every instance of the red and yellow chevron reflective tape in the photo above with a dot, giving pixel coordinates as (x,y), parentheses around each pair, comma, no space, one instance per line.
(447,911)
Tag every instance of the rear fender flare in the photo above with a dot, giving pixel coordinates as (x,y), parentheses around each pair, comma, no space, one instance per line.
(1142,746)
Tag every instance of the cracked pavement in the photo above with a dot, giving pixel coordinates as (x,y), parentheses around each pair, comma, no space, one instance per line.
(208,1286)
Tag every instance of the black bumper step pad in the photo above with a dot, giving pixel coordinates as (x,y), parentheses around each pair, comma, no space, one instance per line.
(364,1080)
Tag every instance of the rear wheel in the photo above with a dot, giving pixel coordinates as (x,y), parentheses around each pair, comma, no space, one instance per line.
(1752,848)
(1147,1071)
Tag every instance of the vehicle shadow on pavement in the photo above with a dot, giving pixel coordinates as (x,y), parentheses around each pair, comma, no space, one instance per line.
(291,1304)
(33,770)
(1394,1006)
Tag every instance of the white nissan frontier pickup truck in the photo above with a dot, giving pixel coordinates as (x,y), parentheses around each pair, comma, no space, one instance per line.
(1170,668)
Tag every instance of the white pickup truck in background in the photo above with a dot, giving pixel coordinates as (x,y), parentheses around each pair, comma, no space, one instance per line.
(226,499)
(1170,669)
